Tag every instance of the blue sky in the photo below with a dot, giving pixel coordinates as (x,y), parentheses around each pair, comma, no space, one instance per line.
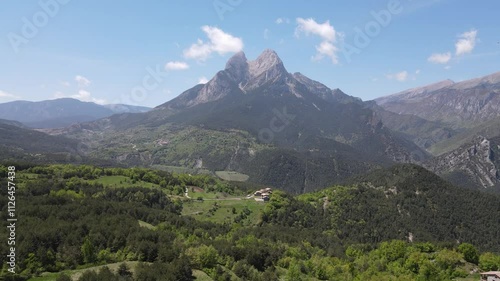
(148,52)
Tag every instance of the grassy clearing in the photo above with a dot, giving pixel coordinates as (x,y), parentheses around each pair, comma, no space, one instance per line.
(201,276)
(472,277)
(195,192)
(75,274)
(222,210)
(122,182)
(46,277)
(146,225)
(181,170)
(232,176)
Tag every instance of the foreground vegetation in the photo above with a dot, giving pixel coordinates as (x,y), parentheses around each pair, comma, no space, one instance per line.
(93,223)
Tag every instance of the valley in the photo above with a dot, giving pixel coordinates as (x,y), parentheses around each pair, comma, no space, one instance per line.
(249,141)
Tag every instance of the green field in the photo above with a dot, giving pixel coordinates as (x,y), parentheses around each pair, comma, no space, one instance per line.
(121,182)
(214,206)
(222,210)
(75,274)
(181,170)
(201,276)
(232,176)
(196,192)
(146,225)
(473,277)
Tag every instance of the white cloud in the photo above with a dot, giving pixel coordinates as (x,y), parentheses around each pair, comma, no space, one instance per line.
(466,43)
(198,50)
(65,83)
(310,26)
(282,20)
(219,42)
(82,95)
(417,71)
(176,65)
(82,81)
(6,95)
(326,49)
(203,80)
(326,32)
(266,33)
(447,67)
(440,58)
(399,76)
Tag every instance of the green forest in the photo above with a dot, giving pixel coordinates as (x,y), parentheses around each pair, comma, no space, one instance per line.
(92,223)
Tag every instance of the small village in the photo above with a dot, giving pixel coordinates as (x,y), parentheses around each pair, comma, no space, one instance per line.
(263,194)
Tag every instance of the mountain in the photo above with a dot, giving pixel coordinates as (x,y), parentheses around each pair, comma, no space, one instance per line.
(249,95)
(414,93)
(422,132)
(456,105)
(12,123)
(254,117)
(459,123)
(422,206)
(488,129)
(18,143)
(60,112)
(473,165)
(125,108)
(404,201)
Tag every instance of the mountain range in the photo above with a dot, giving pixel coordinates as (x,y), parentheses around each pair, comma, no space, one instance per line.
(61,112)
(459,123)
(254,117)
(457,105)
(286,130)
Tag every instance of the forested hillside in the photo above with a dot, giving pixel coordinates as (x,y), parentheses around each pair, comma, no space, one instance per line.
(393,225)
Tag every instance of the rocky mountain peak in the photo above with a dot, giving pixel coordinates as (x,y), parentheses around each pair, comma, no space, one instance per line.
(267,61)
(237,67)
(491,79)
(238,60)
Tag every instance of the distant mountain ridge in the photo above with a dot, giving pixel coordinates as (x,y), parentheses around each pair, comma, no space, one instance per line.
(288,131)
(18,144)
(458,105)
(459,123)
(60,112)
(254,117)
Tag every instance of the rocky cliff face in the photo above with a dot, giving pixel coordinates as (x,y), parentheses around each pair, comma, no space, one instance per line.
(327,94)
(240,76)
(459,105)
(477,162)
